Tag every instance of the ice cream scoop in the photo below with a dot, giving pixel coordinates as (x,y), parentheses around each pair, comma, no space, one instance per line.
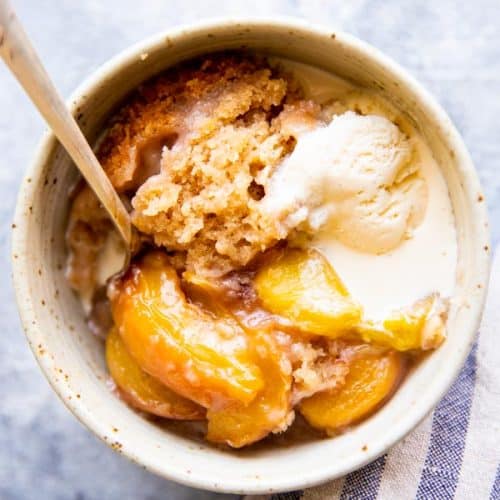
(357,177)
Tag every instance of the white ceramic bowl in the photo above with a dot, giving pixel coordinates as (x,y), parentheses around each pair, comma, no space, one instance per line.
(72,359)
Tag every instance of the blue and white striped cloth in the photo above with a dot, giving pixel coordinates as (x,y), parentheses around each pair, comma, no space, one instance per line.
(455,452)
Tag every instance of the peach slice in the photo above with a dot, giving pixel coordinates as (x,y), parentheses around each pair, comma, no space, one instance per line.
(239,425)
(422,326)
(141,390)
(303,287)
(194,352)
(371,380)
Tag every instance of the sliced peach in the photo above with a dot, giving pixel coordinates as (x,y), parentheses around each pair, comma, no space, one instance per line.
(302,286)
(207,293)
(196,353)
(422,326)
(372,378)
(142,391)
(239,425)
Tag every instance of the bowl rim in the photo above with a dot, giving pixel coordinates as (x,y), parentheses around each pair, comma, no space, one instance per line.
(21,265)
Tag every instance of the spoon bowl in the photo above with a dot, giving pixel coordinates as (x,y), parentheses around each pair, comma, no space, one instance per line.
(73,360)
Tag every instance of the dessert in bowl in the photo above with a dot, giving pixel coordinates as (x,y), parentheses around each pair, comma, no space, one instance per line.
(246,177)
(304,239)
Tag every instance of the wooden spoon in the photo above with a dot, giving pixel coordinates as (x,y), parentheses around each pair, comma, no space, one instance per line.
(20,56)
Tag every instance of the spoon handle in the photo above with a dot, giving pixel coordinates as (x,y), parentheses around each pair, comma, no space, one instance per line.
(20,56)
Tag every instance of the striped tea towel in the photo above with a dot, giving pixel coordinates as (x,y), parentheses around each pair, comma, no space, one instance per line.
(455,452)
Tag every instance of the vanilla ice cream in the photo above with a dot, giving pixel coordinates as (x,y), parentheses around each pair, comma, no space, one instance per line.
(358,177)
(375,193)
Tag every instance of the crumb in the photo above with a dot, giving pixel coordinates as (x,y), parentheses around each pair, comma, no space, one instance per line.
(198,144)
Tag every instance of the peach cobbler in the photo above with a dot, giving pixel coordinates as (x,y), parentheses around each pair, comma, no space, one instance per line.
(297,248)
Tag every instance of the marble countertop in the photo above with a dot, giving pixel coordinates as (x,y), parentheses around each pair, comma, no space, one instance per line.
(452,47)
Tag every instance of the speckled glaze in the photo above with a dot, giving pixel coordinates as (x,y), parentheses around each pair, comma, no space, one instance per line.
(72,359)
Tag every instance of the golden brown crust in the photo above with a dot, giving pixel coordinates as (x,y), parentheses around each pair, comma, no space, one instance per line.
(167,104)
(237,122)
(193,148)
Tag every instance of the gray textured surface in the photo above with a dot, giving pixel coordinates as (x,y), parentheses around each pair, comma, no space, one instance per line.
(453,47)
